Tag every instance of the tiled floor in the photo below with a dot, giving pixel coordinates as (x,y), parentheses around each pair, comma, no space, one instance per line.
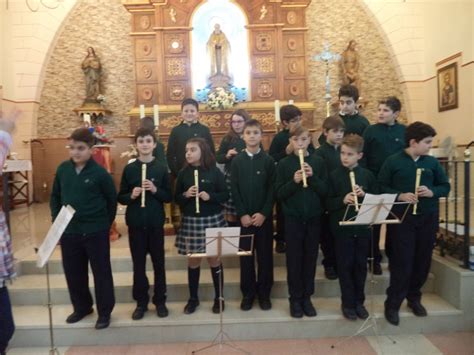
(449,344)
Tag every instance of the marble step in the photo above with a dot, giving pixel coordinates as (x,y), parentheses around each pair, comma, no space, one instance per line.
(121,261)
(31,289)
(32,328)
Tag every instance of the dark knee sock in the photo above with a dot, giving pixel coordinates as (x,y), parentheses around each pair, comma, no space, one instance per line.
(215,279)
(193,282)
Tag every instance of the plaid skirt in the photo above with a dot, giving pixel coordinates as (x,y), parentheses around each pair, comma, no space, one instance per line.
(7,270)
(191,237)
(229,207)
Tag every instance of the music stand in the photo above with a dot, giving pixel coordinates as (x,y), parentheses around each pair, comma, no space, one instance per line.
(222,240)
(376,211)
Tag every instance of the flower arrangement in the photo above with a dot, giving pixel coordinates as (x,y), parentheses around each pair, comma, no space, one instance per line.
(220,99)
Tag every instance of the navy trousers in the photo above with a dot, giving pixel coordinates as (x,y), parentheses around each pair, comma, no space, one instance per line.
(78,250)
(259,284)
(411,247)
(7,326)
(145,241)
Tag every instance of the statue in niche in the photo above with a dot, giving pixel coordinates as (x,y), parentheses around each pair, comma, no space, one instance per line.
(218,48)
(92,71)
(350,65)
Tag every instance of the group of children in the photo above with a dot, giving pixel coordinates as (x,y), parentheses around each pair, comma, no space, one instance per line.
(310,187)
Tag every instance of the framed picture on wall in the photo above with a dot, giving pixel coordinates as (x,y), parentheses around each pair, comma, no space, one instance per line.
(448,87)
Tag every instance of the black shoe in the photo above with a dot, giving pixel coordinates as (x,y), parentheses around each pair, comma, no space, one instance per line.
(349,313)
(280,247)
(265,304)
(75,317)
(161,310)
(330,273)
(361,311)
(102,322)
(417,309)
(308,308)
(191,306)
(139,312)
(377,269)
(216,309)
(391,315)
(246,304)
(296,311)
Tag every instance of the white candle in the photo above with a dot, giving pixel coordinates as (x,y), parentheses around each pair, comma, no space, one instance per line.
(142,111)
(156,115)
(291,102)
(277,111)
(143,180)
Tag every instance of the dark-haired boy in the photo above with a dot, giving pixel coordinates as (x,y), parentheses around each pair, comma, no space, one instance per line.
(412,241)
(381,140)
(280,148)
(145,224)
(329,151)
(351,241)
(189,128)
(302,207)
(252,180)
(159,151)
(89,189)
(354,122)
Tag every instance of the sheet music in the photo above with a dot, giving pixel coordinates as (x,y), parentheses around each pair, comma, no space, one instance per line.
(369,206)
(230,245)
(54,234)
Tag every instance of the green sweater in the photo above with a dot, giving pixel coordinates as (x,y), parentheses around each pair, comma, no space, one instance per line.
(398,175)
(339,187)
(159,153)
(355,123)
(212,181)
(279,143)
(226,145)
(153,214)
(297,201)
(331,156)
(177,143)
(91,193)
(381,141)
(252,179)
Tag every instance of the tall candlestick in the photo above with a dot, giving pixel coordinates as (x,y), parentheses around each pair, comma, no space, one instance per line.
(353,183)
(417,185)
(142,111)
(156,115)
(277,111)
(196,183)
(143,180)
(301,155)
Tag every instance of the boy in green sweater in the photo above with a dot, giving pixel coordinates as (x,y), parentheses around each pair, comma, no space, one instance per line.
(302,208)
(412,241)
(355,123)
(381,140)
(89,189)
(280,148)
(159,151)
(189,128)
(329,151)
(145,224)
(352,242)
(252,179)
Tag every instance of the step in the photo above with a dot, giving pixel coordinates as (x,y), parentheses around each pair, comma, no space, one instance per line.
(31,290)
(32,323)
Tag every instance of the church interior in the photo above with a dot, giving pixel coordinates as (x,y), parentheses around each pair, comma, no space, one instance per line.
(106,64)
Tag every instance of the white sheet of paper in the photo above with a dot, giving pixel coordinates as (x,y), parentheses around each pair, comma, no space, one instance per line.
(230,246)
(17,165)
(369,208)
(54,234)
